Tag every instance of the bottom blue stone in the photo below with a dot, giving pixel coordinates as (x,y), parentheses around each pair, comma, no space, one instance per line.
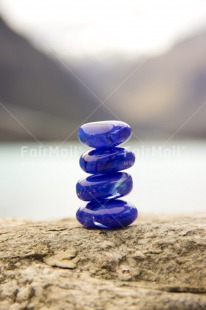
(108,215)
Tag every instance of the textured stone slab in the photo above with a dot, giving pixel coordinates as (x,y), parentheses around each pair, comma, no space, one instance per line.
(157,263)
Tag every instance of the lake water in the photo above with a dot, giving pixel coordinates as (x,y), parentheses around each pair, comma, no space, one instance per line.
(38,181)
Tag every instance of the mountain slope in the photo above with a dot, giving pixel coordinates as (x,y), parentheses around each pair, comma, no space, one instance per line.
(43,99)
(169,89)
(39,92)
(162,93)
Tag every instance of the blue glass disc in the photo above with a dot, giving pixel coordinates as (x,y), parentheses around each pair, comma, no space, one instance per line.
(109,215)
(107,160)
(104,134)
(104,186)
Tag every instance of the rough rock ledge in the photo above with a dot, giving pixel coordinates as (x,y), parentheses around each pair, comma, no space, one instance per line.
(157,263)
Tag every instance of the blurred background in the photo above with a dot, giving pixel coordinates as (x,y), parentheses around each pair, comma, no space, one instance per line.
(64,63)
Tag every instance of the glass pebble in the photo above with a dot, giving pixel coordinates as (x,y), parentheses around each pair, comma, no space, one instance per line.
(104,134)
(107,160)
(107,215)
(104,186)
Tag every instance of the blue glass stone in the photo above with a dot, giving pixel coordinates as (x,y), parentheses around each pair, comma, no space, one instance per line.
(104,186)
(108,215)
(104,134)
(106,160)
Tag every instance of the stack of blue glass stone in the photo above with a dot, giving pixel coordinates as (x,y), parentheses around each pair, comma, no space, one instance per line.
(107,183)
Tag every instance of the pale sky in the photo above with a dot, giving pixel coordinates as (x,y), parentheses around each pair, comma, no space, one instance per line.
(92,27)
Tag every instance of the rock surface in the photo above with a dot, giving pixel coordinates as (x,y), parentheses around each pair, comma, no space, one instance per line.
(157,263)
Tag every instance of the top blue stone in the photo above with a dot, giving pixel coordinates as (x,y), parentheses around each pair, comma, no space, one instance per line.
(105,134)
